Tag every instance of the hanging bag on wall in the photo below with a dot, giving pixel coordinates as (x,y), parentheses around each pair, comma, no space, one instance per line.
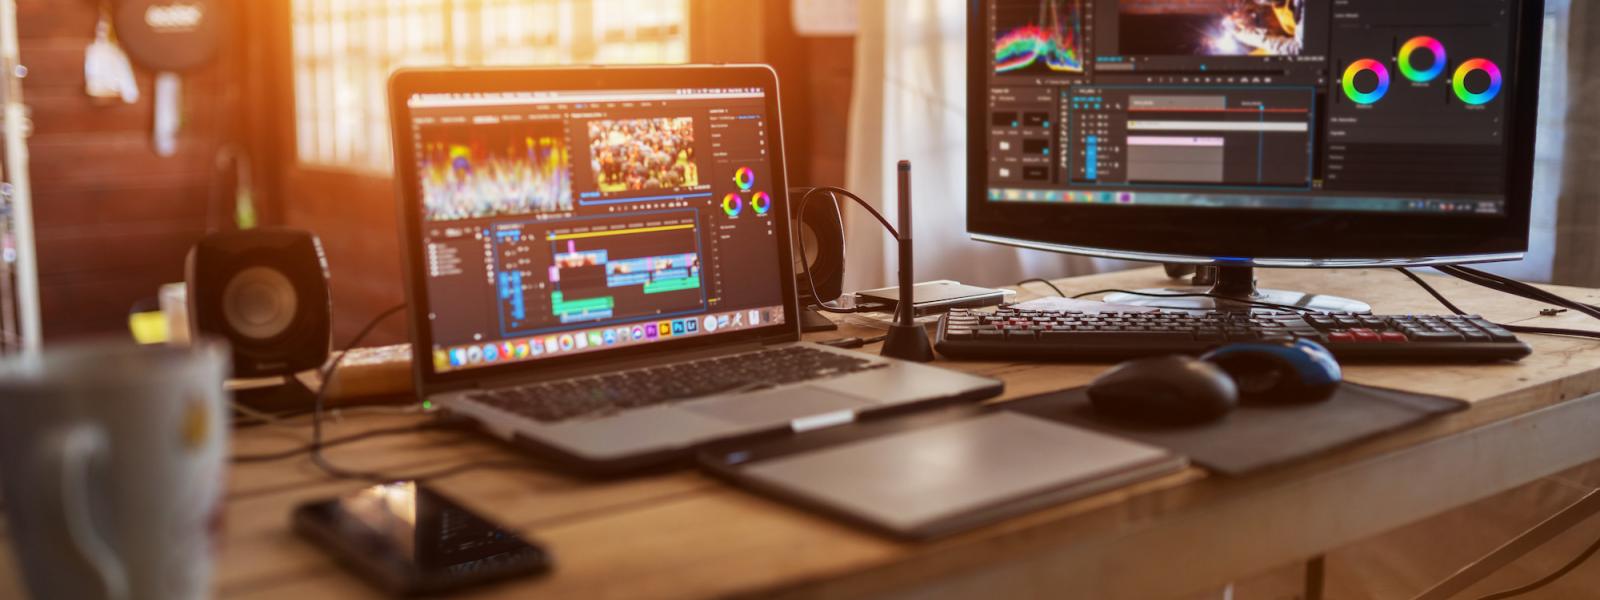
(170,37)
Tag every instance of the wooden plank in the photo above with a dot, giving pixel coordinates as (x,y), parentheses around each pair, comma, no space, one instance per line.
(156,202)
(92,251)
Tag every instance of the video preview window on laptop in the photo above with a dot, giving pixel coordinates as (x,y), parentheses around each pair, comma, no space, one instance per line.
(558,223)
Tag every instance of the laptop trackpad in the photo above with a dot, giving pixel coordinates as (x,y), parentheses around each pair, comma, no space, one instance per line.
(777,406)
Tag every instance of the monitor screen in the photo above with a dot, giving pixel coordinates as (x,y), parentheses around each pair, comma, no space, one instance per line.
(1371,106)
(559,223)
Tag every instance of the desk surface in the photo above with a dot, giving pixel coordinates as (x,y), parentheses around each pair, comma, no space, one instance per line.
(682,535)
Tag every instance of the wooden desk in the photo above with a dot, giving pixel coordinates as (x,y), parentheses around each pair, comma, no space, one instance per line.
(682,535)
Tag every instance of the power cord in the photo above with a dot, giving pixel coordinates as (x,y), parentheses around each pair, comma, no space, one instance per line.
(805,261)
(1043,281)
(1512,328)
(349,439)
(318,444)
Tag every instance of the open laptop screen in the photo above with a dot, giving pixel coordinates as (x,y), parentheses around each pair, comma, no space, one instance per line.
(559,223)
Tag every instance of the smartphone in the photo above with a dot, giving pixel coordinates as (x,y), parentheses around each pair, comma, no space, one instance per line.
(410,540)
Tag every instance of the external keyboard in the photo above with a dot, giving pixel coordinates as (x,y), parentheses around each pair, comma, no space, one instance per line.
(606,394)
(1012,334)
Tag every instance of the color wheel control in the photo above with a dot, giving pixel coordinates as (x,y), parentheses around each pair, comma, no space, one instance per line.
(1364,65)
(1408,56)
(1459,81)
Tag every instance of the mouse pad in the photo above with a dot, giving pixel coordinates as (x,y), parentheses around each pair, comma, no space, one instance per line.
(1256,437)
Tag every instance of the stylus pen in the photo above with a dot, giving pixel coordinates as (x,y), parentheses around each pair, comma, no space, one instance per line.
(907,293)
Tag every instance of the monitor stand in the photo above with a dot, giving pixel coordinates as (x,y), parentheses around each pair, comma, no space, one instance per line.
(1239,283)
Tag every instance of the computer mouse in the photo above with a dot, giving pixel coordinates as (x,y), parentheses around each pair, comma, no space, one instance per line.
(1170,390)
(1302,372)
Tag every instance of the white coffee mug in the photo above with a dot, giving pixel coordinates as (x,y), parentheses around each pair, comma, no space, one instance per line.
(114,462)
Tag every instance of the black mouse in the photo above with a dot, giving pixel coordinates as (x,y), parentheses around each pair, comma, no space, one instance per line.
(1170,390)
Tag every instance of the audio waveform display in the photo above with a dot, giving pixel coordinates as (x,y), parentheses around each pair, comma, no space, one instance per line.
(1057,44)
(485,171)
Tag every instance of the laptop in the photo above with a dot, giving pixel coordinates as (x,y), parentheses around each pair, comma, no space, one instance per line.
(598,265)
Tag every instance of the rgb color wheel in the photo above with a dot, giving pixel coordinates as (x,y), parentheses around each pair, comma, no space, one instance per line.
(762,202)
(745,177)
(1409,50)
(1366,64)
(732,204)
(1488,68)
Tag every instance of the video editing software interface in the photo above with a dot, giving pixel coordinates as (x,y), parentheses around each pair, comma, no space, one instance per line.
(1368,105)
(557,223)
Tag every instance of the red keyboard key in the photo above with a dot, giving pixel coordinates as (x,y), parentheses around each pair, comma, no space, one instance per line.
(1366,335)
(1395,337)
(1341,337)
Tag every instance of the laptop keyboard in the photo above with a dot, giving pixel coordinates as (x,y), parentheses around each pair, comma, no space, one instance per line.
(603,395)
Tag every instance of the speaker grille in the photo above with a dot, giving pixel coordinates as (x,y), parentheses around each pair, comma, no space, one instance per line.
(259,303)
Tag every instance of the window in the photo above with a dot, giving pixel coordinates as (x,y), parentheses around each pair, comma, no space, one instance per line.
(344,51)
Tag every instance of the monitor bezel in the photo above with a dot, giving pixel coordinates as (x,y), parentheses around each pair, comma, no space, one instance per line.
(407,82)
(1262,236)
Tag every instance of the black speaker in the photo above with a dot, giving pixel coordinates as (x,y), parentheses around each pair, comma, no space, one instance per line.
(820,234)
(266,292)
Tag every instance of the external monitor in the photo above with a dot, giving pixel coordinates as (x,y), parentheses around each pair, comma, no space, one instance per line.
(1245,133)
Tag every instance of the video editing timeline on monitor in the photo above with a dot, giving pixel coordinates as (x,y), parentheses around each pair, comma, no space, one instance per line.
(565,222)
(1289,104)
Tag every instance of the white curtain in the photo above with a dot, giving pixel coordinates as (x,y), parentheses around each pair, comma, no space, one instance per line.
(910,103)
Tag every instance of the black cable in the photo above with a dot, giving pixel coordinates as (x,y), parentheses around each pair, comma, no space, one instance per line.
(378,477)
(852,343)
(1043,281)
(1548,579)
(1282,307)
(349,439)
(1517,288)
(1519,284)
(805,262)
(1431,291)
(1512,328)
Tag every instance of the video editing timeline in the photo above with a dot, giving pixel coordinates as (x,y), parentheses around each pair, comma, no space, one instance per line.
(1298,104)
(597,269)
(573,222)
(1193,135)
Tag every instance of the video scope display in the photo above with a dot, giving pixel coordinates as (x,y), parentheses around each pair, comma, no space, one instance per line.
(1365,105)
(562,223)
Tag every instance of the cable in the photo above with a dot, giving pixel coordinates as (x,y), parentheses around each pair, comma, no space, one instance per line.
(1043,281)
(349,439)
(317,444)
(1548,579)
(1512,328)
(1432,292)
(1517,288)
(852,343)
(805,261)
(1282,307)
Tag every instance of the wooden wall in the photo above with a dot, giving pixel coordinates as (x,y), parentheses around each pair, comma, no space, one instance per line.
(114,220)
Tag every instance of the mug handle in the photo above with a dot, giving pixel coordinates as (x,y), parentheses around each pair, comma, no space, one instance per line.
(65,487)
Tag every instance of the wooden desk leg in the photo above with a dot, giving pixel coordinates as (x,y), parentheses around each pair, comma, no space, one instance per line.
(1509,552)
(1316,574)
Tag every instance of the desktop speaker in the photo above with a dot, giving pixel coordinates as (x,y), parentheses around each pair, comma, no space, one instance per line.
(820,234)
(266,292)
